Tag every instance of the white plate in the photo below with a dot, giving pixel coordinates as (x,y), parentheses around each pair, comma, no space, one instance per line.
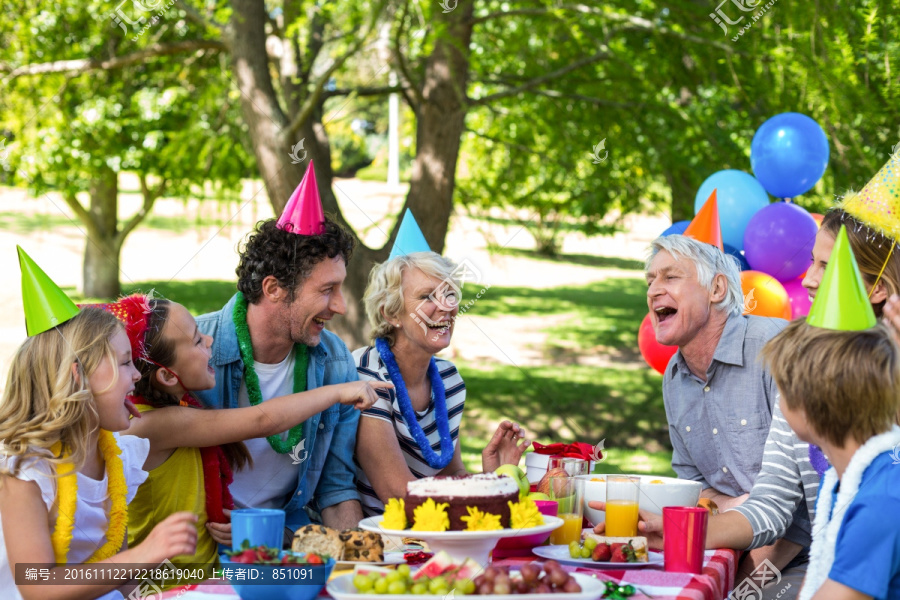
(390,558)
(341,588)
(374,524)
(561,555)
(460,545)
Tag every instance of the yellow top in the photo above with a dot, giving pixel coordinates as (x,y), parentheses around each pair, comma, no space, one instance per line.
(174,486)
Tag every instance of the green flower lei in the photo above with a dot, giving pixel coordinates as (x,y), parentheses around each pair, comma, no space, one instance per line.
(301,363)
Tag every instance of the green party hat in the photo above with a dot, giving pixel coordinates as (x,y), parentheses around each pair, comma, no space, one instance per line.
(46,306)
(842,302)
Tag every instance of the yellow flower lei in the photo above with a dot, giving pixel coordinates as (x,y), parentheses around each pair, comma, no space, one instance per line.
(394,514)
(430,516)
(481,521)
(67,497)
(524,514)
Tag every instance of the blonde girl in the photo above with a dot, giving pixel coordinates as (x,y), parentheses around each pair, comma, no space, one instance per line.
(65,475)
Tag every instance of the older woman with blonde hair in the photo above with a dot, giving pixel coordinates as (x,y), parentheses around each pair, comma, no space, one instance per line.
(412,431)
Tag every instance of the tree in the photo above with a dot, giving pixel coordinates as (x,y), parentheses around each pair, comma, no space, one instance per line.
(679,100)
(167,123)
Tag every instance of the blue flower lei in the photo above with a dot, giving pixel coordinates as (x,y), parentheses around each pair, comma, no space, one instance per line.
(440,407)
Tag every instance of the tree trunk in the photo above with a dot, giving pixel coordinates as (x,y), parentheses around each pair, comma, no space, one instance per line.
(101,252)
(683,192)
(439,126)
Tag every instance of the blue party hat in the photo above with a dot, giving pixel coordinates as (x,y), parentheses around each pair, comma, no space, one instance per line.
(409,238)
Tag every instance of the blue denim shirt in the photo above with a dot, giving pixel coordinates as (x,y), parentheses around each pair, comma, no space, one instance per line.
(326,477)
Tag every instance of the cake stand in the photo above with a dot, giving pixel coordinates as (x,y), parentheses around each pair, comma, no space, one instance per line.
(460,545)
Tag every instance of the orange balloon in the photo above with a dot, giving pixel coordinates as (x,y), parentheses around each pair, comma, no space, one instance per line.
(818,219)
(764,296)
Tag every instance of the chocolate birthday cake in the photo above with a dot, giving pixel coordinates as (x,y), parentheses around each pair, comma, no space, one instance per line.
(487,492)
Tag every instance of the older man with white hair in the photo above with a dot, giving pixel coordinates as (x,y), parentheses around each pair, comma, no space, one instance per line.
(718,396)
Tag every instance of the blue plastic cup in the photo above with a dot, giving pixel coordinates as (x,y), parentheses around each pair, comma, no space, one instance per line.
(258,526)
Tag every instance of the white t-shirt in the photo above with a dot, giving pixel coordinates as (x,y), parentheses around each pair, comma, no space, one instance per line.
(91,509)
(272,480)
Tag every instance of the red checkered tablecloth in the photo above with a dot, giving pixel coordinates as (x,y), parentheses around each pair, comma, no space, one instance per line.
(714,583)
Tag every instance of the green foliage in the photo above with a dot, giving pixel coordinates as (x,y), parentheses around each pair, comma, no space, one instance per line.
(673,99)
(167,118)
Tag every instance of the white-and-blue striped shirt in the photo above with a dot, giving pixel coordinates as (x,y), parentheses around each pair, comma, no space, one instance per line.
(370,367)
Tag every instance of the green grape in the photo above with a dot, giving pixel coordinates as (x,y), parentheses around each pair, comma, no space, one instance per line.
(585,552)
(590,543)
(394,576)
(381,586)
(397,587)
(458,590)
(468,586)
(403,569)
(438,583)
(374,576)
(574,550)
(362,584)
(419,588)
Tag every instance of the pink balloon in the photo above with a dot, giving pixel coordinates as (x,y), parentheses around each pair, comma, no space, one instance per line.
(799,297)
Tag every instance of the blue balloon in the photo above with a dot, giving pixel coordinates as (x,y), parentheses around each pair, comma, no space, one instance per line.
(739,196)
(677,227)
(738,254)
(789,154)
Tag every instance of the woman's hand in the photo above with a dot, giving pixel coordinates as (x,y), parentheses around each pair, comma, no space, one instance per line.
(649,525)
(221,532)
(505,448)
(175,535)
(361,394)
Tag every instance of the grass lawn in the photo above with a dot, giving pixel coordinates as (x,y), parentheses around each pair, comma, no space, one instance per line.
(619,400)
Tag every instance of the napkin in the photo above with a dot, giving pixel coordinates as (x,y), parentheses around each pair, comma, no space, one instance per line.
(573,450)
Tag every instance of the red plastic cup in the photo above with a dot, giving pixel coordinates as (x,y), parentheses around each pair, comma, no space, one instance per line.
(684,538)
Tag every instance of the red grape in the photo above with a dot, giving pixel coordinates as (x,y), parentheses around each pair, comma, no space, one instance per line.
(502,587)
(558,577)
(530,572)
(571,586)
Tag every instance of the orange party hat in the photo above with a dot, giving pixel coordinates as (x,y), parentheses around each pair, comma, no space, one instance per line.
(705,225)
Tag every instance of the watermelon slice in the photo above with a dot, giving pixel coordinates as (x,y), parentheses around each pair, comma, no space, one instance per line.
(436,565)
(364,569)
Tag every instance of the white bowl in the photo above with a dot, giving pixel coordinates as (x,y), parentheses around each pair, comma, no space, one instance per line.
(667,491)
(536,466)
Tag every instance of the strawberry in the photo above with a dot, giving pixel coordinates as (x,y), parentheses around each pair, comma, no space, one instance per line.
(262,554)
(618,553)
(314,559)
(601,553)
(246,557)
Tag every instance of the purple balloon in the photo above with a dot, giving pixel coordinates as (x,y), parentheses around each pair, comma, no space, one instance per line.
(799,297)
(779,240)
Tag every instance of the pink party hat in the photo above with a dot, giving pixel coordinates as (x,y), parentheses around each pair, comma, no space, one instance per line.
(303,213)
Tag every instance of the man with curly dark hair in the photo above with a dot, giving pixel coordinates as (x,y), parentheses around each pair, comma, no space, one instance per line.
(270,340)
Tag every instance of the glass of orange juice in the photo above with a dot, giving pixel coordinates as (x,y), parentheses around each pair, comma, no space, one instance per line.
(622,493)
(569,494)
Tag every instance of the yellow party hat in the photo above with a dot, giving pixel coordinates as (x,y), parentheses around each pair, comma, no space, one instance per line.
(877,205)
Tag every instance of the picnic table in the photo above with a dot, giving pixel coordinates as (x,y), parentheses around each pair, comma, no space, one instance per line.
(714,583)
